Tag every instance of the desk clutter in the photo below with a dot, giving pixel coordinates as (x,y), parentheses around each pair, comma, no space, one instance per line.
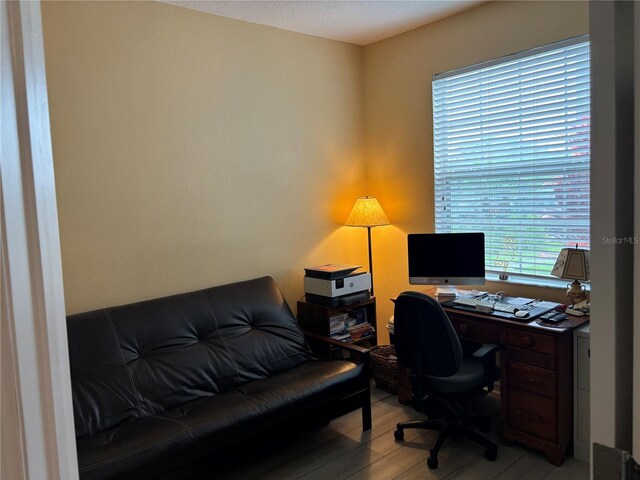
(512,308)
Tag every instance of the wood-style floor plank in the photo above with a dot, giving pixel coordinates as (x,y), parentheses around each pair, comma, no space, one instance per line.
(571,469)
(530,466)
(346,465)
(342,450)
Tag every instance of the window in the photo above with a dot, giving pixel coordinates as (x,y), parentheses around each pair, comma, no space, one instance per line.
(511,155)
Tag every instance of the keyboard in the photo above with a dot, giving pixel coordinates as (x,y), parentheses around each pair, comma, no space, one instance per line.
(501,309)
(470,301)
(485,305)
(505,307)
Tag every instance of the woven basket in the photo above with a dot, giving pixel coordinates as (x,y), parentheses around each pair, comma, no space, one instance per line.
(384,366)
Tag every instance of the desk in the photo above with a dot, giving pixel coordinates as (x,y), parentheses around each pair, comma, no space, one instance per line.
(536,382)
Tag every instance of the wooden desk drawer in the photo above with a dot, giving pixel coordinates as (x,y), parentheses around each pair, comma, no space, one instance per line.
(533,379)
(531,341)
(532,414)
(478,331)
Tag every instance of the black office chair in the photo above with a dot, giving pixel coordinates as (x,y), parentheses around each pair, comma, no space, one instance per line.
(443,380)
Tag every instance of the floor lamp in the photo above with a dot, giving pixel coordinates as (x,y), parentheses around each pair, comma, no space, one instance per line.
(367,212)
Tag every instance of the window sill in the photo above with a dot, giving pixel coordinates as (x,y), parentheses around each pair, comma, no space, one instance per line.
(534,282)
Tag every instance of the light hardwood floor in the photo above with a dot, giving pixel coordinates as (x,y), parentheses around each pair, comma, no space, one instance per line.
(342,450)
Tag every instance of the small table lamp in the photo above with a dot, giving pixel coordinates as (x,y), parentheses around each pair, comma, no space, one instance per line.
(573,263)
(367,212)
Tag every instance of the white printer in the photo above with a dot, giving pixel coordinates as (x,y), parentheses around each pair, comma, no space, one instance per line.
(353,283)
(336,285)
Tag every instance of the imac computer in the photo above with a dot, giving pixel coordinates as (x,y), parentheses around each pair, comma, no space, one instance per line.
(446,258)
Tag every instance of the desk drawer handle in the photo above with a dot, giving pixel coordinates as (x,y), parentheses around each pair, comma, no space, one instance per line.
(526,341)
(535,381)
(464,328)
(530,416)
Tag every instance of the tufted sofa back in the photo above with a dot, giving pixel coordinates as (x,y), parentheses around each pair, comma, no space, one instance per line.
(141,359)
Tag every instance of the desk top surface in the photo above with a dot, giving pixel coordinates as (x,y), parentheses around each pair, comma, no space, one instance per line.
(572,322)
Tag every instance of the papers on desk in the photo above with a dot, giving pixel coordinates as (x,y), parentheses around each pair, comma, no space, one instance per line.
(545,305)
(518,301)
(477,293)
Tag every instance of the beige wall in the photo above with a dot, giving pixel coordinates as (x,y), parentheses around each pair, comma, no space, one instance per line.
(398,118)
(192,150)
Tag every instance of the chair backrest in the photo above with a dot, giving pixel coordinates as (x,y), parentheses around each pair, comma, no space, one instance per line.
(425,340)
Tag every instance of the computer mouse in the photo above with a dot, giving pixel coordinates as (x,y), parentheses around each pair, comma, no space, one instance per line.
(521,314)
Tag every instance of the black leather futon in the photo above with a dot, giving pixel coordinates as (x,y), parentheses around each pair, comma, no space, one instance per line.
(163,384)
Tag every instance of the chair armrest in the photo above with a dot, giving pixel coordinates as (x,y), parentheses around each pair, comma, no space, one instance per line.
(359,352)
(487,349)
(487,355)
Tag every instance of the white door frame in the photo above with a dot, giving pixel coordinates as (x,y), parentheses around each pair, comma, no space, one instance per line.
(636,269)
(614,255)
(38,439)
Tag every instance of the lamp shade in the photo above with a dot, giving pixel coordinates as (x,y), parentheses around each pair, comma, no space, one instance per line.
(572,263)
(367,212)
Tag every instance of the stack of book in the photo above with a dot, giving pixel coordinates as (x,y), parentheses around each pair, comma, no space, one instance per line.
(361,330)
(350,325)
(338,326)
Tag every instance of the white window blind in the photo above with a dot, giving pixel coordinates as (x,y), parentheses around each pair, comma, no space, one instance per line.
(511,155)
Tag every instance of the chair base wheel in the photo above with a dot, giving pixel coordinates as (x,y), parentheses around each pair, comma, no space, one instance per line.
(432,463)
(398,434)
(491,454)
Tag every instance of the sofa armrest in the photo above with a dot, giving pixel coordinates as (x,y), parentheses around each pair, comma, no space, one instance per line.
(361,354)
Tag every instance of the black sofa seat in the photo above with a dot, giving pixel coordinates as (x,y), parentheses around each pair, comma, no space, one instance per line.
(150,445)
(161,385)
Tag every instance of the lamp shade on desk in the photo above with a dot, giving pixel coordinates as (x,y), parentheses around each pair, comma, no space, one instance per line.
(573,264)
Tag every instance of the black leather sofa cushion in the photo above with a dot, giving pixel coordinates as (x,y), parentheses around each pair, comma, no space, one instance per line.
(141,359)
(150,446)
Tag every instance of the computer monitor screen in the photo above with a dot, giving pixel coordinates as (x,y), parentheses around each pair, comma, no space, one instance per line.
(446,258)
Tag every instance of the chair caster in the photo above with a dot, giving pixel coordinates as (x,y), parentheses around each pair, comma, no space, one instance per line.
(432,463)
(491,454)
(398,434)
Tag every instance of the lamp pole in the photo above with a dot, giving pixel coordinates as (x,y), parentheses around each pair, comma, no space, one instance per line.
(370,258)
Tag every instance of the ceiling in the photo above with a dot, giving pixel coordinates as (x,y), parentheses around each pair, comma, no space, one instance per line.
(352,21)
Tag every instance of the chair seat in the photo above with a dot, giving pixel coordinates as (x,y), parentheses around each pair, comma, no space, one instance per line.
(470,376)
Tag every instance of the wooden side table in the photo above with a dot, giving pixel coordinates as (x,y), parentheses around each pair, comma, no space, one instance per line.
(316,318)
